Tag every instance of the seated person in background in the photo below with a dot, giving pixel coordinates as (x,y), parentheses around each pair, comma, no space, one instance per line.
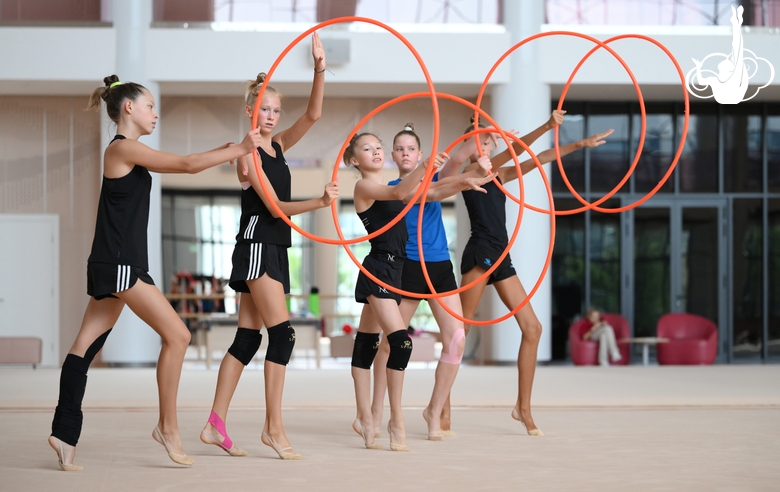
(600,331)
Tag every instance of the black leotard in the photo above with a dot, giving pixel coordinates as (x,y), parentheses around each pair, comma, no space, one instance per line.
(393,241)
(122,219)
(487,213)
(257,224)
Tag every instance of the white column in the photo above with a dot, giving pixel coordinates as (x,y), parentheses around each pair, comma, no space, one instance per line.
(133,342)
(523,104)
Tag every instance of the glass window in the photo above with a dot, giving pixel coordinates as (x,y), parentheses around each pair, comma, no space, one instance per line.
(742,153)
(567,273)
(352,227)
(747,278)
(773,341)
(605,259)
(572,130)
(698,166)
(609,163)
(652,281)
(657,154)
(773,152)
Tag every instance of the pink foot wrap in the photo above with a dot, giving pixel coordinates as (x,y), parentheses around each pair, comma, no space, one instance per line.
(219,424)
(452,357)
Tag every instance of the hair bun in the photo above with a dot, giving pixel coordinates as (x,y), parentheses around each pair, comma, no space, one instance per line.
(260,78)
(471,120)
(409,127)
(110,80)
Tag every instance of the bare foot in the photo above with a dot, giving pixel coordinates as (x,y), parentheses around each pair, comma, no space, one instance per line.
(278,441)
(397,437)
(524,417)
(368,437)
(434,425)
(65,454)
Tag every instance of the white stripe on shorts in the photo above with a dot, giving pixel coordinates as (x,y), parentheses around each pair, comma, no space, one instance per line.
(122,277)
(255,259)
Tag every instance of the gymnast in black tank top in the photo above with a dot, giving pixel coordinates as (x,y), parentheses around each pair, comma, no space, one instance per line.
(123,201)
(119,257)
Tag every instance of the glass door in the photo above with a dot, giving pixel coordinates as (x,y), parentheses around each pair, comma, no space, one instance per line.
(676,262)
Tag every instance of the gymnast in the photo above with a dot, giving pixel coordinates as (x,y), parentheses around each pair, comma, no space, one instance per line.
(487,214)
(119,258)
(407,156)
(261,272)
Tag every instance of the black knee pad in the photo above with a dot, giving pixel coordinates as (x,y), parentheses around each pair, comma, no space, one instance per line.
(245,345)
(400,350)
(281,340)
(365,349)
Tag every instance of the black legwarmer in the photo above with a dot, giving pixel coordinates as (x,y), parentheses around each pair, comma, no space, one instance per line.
(281,340)
(365,349)
(400,350)
(68,418)
(245,345)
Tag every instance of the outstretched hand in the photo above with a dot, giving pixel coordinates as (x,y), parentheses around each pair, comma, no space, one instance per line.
(439,160)
(331,193)
(317,52)
(597,139)
(485,164)
(556,118)
(475,183)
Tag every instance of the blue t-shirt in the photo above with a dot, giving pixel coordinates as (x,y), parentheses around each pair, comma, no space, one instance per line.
(434,237)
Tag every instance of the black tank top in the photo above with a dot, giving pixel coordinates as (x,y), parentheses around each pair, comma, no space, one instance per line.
(122,219)
(257,224)
(487,213)
(393,241)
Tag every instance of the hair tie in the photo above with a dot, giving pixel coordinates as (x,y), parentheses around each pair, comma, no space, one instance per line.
(408,129)
(114,84)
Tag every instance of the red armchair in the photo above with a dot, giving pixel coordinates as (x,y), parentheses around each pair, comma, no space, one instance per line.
(692,339)
(586,352)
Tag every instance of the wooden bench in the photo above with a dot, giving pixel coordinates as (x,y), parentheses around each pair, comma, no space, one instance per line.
(20,350)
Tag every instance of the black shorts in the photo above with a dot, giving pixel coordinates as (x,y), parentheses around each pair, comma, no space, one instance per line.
(440,273)
(105,280)
(388,271)
(253,260)
(484,255)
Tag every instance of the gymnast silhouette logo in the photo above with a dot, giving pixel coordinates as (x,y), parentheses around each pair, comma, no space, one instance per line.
(735,70)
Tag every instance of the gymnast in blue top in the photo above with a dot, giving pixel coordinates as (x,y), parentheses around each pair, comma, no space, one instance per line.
(407,156)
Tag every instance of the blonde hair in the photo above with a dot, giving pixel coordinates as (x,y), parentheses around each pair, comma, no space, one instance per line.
(254,88)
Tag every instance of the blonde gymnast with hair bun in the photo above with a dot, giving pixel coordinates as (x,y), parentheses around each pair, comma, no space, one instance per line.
(261,271)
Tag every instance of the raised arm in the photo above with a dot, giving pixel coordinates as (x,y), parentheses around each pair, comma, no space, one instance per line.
(289,208)
(451,185)
(508,173)
(502,158)
(289,137)
(368,191)
(124,154)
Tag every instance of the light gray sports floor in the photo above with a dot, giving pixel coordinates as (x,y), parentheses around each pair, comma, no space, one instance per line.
(620,428)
